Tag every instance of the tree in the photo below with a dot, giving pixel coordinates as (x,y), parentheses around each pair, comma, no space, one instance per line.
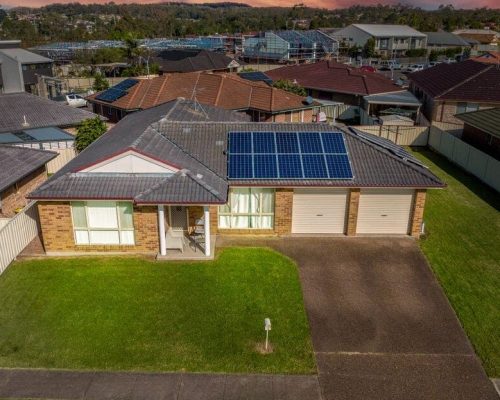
(290,86)
(100,83)
(369,48)
(88,131)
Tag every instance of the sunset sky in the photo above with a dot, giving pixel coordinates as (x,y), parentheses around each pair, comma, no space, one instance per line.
(428,4)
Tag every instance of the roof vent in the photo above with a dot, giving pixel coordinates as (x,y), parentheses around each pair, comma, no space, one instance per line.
(186,129)
(25,123)
(199,176)
(181,98)
(219,143)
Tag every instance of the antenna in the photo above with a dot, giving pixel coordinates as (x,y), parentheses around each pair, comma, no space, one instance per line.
(25,123)
(199,107)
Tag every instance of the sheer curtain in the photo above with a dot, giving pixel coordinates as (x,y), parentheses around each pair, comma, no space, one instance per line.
(239,205)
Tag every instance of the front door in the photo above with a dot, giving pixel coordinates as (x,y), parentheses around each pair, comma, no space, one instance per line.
(178,218)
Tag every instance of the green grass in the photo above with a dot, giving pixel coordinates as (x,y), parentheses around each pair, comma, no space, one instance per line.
(134,314)
(463,247)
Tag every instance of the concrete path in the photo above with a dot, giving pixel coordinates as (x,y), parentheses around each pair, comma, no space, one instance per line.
(69,385)
(381,325)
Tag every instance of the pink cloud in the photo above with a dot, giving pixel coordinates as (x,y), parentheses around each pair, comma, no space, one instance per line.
(279,3)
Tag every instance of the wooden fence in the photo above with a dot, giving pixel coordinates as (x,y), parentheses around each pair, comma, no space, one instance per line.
(474,161)
(399,134)
(65,155)
(17,234)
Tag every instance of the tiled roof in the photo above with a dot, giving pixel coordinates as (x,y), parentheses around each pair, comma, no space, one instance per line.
(18,162)
(222,90)
(39,113)
(335,77)
(490,57)
(487,120)
(465,81)
(192,61)
(198,150)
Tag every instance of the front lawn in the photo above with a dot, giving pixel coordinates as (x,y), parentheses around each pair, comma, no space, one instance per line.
(136,314)
(463,248)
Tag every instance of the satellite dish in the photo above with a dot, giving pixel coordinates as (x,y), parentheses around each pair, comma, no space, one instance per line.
(308,100)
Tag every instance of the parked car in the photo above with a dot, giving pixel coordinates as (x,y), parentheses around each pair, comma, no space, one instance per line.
(367,68)
(387,65)
(415,68)
(433,63)
(75,100)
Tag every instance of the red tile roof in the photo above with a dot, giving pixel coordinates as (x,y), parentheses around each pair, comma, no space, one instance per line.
(335,77)
(490,57)
(223,90)
(465,81)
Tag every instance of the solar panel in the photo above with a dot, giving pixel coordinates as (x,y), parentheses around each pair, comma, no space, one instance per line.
(126,84)
(288,155)
(111,95)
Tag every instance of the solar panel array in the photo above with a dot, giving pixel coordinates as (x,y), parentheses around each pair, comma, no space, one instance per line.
(117,91)
(288,155)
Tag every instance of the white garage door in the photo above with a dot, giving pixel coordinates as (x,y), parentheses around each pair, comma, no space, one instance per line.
(384,211)
(319,210)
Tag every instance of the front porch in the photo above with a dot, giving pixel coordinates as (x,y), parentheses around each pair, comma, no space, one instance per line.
(184,233)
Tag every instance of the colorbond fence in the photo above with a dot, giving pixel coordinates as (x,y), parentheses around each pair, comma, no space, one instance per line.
(65,155)
(474,161)
(17,234)
(399,134)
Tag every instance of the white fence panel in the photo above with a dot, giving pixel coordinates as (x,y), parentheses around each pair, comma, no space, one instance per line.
(65,155)
(474,161)
(17,234)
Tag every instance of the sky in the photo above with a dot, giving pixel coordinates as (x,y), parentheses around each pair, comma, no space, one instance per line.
(428,4)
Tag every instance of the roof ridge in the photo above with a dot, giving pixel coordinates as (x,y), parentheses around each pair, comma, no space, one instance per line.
(393,156)
(219,91)
(488,67)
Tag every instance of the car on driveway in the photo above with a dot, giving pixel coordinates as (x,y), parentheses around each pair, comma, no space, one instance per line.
(414,68)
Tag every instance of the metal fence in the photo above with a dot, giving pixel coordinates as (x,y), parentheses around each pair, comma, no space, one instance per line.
(474,161)
(65,155)
(399,134)
(17,234)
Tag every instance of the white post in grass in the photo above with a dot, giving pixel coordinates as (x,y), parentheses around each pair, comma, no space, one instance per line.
(206,217)
(161,228)
(267,327)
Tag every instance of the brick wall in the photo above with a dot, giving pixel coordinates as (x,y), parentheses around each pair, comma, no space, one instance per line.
(418,212)
(445,111)
(14,197)
(57,230)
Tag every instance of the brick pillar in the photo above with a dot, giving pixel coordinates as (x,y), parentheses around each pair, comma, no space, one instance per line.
(214,219)
(283,204)
(352,212)
(418,212)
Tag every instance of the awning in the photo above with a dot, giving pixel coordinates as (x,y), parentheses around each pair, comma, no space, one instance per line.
(404,98)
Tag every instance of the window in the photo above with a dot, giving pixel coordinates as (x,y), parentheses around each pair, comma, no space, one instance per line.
(384,43)
(103,222)
(467,107)
(248,208)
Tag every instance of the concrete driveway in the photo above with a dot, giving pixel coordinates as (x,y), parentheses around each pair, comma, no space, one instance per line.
(381,325)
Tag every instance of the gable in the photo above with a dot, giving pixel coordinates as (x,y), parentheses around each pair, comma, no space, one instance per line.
(132,163)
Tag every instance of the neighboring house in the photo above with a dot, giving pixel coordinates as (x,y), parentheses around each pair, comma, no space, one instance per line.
(329,80)
(22,171)
(482,130)
(20,69)
(481,39)
(449,89)
(289,45)
(489,57)
(390,40)
(32,121)
(228,91)
(194,61)
(148,178)
(445,40)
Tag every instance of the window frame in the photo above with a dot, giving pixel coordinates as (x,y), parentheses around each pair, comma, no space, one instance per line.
(119,229)
(249,215)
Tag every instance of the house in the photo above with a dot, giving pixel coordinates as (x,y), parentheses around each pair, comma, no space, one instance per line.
(482,130)
(449,89)
(20,69)
(195,60)
(330,80)
(32,121)
(390,40)
(22,171)
(148,182)
(259,100)
(483,39)
(445,40)
(289,46)
(488,57)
